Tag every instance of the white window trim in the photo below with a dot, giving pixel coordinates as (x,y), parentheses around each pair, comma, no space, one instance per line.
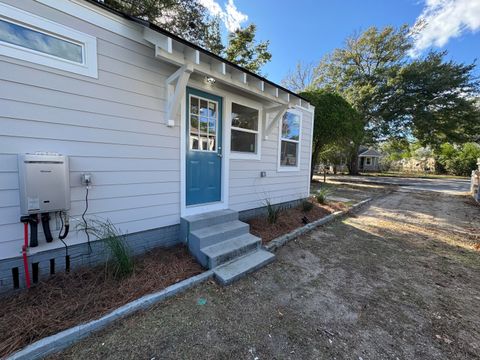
(34,22)
(281,168)
(239,155)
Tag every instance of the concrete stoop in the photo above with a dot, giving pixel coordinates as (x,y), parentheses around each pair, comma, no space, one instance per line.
(221,242)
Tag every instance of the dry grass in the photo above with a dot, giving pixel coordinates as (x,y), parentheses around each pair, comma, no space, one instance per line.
(66,300)
(291,219)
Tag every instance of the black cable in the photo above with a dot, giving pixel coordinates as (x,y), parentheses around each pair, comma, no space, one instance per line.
(60,235)
(85,222)
(85,229)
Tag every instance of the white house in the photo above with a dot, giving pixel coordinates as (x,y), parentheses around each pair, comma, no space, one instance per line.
(369,160)
(151,128)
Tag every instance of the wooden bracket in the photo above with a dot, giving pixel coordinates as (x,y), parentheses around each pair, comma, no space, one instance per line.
(278,111)
(176,87)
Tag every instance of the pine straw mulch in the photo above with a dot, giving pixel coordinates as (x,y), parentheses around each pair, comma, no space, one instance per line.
(66,300)
(291,219)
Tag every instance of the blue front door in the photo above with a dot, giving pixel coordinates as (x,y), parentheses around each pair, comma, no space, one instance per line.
(204,147)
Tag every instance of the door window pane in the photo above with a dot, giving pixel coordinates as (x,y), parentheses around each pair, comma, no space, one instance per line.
(244,141)
(288,154)
(22,36)
(194,105)
(212,109)
(203,107)
(194,141)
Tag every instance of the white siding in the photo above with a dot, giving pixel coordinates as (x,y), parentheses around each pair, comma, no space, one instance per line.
(111,126)
(248,190)
(114,128)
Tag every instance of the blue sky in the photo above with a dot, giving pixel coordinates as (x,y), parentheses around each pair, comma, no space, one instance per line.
(308,29)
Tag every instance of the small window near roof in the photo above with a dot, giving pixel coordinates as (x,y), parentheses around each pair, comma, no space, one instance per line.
(244,137)
(290,140)
(31,39)
(28,37)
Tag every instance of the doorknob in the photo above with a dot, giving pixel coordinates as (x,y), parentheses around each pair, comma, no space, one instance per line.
(219,155)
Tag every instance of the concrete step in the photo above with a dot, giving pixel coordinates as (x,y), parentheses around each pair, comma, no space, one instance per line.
(235,269)
(227,250)
(200,221)
(217,233)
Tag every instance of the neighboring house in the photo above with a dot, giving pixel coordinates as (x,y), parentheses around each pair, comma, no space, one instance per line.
(368,160)
(159,131)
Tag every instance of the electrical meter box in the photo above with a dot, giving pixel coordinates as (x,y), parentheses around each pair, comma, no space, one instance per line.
(44,181)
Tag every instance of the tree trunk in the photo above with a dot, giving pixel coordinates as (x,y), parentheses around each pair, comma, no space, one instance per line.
(353,162)
(315,152)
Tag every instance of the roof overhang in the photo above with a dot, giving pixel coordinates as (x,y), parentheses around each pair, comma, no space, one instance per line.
(178,53)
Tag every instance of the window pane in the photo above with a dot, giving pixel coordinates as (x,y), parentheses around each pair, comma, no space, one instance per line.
(291,126)
(31,39)
(203,107)
(203,126)
(194,105)
(211,143)
(212,109)
(288,155)
(244,141)
(194,123)
(211,126)
(194,141)
(244,117)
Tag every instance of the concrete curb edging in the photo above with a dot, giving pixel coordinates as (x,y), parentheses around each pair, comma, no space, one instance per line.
(57,342)
(282,240)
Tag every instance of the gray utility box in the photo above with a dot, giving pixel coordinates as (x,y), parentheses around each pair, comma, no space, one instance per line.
(44,183)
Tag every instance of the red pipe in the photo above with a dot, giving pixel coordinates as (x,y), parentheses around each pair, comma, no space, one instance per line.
(24,253)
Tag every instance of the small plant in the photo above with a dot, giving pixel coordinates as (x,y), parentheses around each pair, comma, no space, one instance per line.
(306,206)
(272,212)
(121,264)
(321,196)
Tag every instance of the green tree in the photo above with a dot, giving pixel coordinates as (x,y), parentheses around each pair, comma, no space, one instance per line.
(360,71)
(190,20)
(435,99)
(245,51)
(395,149)
(428,98)
(336,125)
(186,18)
(458,160)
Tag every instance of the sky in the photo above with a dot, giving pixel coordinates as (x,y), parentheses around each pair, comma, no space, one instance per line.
(306,30)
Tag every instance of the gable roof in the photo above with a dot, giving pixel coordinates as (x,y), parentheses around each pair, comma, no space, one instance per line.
(162,31)
(370,152)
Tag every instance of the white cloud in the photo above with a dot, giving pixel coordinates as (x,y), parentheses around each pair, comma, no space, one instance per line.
(442,20)
(231,16)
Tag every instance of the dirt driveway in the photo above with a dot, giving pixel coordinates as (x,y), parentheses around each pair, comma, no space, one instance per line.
(400,280)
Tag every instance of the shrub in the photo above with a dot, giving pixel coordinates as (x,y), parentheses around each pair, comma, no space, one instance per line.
(121,263)
(459,160)
(272,212)
(306,206)
(321,196)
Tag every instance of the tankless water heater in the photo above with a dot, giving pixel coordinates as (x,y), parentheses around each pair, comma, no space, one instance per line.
(44,183)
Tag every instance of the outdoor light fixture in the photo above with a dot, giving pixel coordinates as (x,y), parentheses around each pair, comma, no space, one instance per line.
(210,80)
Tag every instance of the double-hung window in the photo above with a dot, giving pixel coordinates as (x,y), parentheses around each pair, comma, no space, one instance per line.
(289,143)
(245,132)
(28,37)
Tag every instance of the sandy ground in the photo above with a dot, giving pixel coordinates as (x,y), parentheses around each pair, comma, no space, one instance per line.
(399,280)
